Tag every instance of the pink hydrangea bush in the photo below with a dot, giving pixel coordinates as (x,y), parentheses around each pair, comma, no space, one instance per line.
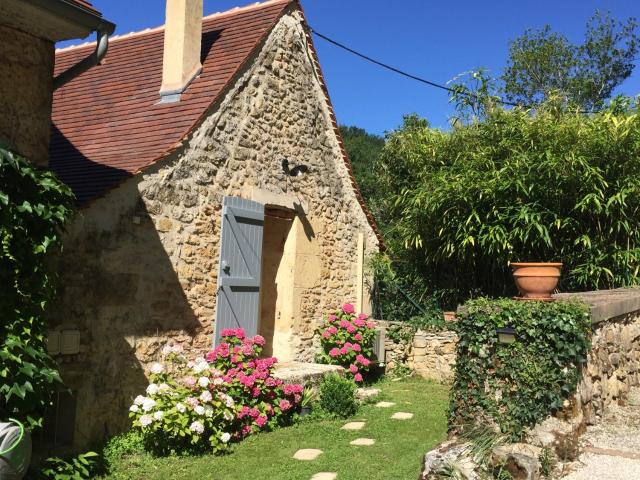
(347,340)
(206,404)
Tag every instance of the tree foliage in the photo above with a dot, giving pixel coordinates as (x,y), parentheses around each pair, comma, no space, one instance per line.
(542,62)
(517,186)
(34,205)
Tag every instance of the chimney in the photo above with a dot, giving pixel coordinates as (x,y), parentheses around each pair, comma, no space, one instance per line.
(182,43)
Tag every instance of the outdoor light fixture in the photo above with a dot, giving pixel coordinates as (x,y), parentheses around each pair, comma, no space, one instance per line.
(296,171)
(506,335)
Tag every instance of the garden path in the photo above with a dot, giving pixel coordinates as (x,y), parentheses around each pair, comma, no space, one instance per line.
(612,448)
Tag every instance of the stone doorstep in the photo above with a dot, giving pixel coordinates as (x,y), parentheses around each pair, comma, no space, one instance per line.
(612,453)
(385,404)
(304,373)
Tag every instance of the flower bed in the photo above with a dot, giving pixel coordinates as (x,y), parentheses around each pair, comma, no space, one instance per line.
(195,406)
(347,340)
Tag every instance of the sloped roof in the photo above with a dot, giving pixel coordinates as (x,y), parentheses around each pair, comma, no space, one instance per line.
(107,124)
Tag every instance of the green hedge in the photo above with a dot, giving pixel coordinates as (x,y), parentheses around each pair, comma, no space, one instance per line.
(519,384)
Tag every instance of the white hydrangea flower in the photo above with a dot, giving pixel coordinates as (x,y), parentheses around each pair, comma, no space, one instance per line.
(199,410)
(225,437)
(203,382)
(139,400)
(200,366)
(180,407)
(148,404)
(152,389)
(197,427)
(146,420)
(208,411)
(218,381)
(157,368)
(164,388)
(228,416)
(229,402)
(158,415)
(206,396)
(134,408)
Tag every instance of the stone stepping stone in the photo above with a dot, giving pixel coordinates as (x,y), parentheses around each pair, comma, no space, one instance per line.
(402,416)
(325,476)
(307,454)
(353,426)
(367,442)
(385,404)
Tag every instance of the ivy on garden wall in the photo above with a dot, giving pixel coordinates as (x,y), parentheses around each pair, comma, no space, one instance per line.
(34,205)
(517,385)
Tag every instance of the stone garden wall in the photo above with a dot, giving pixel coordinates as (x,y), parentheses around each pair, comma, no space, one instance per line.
(613,367)
(430,355)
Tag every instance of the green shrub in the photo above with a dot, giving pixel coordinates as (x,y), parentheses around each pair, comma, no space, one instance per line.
(128,443)
(81,467)
(34,205)
(519,384)
(338,396)
(517,185)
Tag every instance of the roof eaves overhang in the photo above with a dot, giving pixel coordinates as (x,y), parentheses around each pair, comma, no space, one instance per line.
(78,14)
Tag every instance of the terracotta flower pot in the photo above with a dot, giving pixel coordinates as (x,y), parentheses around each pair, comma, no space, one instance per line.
(536,281)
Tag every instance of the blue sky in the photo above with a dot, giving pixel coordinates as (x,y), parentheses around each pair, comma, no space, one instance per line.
(433,39)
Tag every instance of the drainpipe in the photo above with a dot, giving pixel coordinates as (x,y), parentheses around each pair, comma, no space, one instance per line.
(102,44)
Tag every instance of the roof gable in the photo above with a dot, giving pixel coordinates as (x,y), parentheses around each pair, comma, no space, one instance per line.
(107,124)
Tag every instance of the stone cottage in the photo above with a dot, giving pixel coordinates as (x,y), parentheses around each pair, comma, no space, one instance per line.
(214,191)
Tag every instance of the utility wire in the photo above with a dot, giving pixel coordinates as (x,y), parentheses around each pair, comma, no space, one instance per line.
(414,77)
(403,73)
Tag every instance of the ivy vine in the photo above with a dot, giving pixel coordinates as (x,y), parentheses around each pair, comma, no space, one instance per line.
(519,384)
(34,206)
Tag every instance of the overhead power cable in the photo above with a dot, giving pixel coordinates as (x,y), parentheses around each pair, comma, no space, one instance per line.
(415,77)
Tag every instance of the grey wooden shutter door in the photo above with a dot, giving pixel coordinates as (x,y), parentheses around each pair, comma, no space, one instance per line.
(238,301)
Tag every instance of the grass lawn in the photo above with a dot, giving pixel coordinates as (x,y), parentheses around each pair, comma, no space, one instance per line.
(396,455)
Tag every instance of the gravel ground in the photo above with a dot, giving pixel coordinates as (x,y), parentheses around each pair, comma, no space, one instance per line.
(619,430)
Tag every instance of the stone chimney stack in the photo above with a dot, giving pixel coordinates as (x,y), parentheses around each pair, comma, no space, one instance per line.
(182,44)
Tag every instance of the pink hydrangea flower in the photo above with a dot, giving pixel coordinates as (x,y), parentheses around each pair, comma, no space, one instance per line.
(334,352)
(332,318)
(326,334)
(351,328)
(359,322)
(344,323)
(256,392)
(356,347)
(285,405)
(348,308)
(254,412)
(344,350)
(259,340)
(240,333)
(227,332)
(358,336)
(353,369)
(261,420)
(333,330)
(357,377)
(371,325)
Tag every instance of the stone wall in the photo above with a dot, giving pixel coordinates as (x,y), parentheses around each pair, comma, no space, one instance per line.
(139,267)
(26,86)
(430,355)
(613,367)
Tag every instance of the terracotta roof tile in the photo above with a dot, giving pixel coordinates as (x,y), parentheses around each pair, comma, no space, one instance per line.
(107,123)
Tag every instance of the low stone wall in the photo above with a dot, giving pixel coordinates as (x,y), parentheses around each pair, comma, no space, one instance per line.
(613,367)
(430,355)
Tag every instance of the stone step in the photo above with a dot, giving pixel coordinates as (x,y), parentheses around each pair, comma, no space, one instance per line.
(304,373)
